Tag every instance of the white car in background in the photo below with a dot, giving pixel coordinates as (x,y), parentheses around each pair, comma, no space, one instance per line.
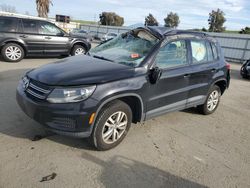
(109,36)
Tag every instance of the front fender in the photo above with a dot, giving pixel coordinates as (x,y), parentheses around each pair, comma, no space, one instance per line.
(132,87)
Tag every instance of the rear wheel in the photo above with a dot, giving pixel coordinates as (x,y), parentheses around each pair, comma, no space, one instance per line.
(78,50)
(212,101)
(112,125)
(12,52)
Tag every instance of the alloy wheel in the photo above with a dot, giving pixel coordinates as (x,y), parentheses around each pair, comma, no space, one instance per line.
(13,53)
(114,127)
(213,100)
(79,51)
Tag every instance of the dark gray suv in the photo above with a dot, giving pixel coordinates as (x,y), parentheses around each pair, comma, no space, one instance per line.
(20,37)
(136,76)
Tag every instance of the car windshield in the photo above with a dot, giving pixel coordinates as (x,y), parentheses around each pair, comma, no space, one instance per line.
(128,48)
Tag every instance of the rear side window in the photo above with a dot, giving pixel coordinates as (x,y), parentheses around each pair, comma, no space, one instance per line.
(209,52)
(7,24)
(30,26)
(199,51)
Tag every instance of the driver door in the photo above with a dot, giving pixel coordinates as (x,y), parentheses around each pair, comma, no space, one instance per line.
(170,92)
(55,42)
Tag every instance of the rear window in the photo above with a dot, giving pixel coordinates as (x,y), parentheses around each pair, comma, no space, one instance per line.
(215,51)
(30,26)
(7,24)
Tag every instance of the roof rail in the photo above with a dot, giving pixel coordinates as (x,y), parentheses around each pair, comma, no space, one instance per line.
(9,14)
(186,32)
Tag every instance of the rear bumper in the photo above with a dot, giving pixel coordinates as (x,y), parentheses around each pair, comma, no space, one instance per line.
(65,119)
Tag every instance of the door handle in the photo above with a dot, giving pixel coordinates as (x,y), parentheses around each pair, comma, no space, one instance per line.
(47,37)
(23,36)
(186,75)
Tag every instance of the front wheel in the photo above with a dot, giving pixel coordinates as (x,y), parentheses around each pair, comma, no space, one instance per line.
(112,125)
(212,101)
(78,50)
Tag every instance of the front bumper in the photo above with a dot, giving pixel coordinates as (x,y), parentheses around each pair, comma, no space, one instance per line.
(71,119)
(244,72)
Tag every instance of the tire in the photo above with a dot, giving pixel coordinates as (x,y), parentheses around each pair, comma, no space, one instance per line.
(104,130)
(213,98)
(12,52)
(78,50)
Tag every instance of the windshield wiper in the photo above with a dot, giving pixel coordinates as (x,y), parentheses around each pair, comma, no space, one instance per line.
(103,58)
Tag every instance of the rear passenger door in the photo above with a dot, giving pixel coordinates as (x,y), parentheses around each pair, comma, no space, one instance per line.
(204,64)
(28,32)
(8,28)
(171,91)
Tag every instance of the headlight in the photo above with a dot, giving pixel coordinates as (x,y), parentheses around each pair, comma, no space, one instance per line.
(25,82)
(68,95)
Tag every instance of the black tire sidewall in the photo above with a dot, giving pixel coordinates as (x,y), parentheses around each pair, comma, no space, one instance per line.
(107,111)
(76,47)
(10,60)
(204,107)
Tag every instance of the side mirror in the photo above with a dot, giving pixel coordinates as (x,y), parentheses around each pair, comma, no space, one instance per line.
(155,75)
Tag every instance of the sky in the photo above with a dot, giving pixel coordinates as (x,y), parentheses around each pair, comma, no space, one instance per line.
(192,13)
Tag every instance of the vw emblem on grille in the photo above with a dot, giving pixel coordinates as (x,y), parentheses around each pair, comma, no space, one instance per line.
(26,83)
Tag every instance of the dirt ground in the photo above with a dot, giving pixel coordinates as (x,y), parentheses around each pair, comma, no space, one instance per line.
(180,149)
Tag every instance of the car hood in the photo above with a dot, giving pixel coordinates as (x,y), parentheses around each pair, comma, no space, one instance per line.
(80,70)
(78,35)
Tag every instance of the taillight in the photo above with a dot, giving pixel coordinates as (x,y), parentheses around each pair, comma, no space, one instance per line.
(228,66)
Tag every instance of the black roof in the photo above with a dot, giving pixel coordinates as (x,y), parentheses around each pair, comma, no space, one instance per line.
(163,31)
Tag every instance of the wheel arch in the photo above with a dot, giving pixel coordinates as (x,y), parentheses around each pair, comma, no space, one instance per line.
(81,43)
(134,101)
(14,41)
(222,84)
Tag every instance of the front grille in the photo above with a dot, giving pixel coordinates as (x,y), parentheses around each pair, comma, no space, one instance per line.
(37,90)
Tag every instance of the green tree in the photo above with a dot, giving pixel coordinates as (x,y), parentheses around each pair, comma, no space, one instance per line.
(216,21)
(172,20)
(151,21)
(245,30)
(204,29)
(42,7)
(111,18)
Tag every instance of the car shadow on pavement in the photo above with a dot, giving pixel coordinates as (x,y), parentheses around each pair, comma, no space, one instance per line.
(120,172)
(235,74)
(192,111)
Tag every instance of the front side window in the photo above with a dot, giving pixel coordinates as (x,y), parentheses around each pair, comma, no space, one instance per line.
(47,28)
(199,51)
(7,25)
(30,26)
(128,49)
(172,54)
